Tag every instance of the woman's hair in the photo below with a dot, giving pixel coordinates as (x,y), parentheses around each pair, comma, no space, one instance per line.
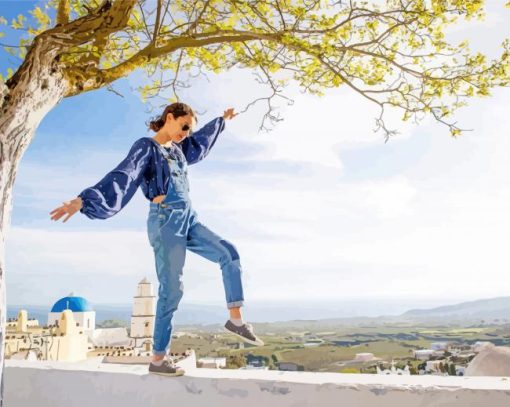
(177,109)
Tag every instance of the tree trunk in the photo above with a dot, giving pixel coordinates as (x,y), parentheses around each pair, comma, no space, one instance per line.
(25,99)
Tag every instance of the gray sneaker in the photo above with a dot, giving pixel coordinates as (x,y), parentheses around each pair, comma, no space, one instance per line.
(167,368)
(245,332)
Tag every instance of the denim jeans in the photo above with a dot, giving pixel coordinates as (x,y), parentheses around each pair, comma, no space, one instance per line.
(172,228)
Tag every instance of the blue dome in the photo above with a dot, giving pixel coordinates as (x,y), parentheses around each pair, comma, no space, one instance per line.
(75,304)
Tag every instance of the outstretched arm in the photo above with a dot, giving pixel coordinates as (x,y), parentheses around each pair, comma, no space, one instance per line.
(114,191)
(196,146)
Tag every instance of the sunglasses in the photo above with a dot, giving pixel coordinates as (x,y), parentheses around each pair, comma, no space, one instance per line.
(186,128)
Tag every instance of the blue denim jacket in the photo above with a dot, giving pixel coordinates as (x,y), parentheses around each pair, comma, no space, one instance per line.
(145,166)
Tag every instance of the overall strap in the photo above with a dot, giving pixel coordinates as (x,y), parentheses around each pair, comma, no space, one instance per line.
(167,152)
(176,153)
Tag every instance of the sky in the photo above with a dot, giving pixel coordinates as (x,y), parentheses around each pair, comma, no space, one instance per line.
(320,208)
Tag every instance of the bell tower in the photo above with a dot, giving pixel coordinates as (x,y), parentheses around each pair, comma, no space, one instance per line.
(143,316)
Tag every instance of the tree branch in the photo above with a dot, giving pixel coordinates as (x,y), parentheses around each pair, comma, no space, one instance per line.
(84,80)
(157,23)
(64,9)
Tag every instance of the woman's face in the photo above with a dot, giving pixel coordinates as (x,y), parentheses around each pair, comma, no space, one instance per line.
(180,128)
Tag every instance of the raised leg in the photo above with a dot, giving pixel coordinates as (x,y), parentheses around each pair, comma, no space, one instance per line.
(204,242)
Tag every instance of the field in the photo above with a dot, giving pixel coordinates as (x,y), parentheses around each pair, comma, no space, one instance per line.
(339,346)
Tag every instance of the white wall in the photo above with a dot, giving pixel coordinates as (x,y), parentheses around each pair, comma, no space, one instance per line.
(88,383)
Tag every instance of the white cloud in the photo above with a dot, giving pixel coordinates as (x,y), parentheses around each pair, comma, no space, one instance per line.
(315,230)
(318,208)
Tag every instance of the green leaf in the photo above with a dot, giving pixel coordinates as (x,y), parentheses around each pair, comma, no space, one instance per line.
(17,24)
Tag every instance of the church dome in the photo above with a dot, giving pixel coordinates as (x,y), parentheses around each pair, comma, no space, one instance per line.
(75,304)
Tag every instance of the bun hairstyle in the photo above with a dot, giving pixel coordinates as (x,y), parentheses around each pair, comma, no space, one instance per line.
(177,109)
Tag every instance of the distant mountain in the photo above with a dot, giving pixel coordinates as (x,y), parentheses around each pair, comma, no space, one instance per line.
(324,315)
(487,309)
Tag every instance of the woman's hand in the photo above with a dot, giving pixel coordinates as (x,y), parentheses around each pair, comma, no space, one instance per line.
(229,113)
(158,199)
(69,208)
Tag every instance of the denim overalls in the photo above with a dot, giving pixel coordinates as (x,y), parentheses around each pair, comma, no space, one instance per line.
(172,228)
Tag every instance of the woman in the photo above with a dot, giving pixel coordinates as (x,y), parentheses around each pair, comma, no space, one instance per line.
(159,166)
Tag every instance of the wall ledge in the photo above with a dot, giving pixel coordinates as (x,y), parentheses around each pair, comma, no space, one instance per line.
(90,382)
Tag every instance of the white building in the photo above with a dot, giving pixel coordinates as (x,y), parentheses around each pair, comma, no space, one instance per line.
(211,362)
(111,337)
(364,357)
(439,346)
(394,370)
(143,316)
(22,322)
(425,354)
(64,341)
(70,342)
(434,366)
(314,342)
(460,370)
(83,314)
